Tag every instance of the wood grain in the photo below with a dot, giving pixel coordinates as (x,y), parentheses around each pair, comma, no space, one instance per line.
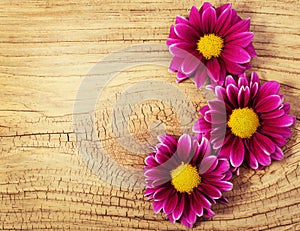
(46,50)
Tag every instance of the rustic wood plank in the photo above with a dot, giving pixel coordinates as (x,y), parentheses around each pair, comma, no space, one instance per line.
(46,50)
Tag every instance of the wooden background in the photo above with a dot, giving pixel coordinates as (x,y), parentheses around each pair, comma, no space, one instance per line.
(47,48)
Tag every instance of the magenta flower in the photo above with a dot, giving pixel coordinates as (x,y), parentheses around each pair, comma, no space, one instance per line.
(184,178)
(248,122)
(211,42)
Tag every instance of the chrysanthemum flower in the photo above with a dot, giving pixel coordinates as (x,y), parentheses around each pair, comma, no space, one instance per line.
(184,179)
(248,121)
(211,42)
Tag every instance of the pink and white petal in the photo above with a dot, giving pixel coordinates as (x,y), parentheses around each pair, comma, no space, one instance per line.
(242,81)
(203,201)
(240,26)
(180,77)
(223,166)
(209,19)
(237,152)
(190,64)
(200,77)
(286,107)
(213,69)
(223,186)
(194,18)
(157,206)
(222,73)
(187,33)
(266,145)
(225,150)
(284,121)
(222,8)
(178,210)
(283,131)
(269,88)
(210,190)
(242,39)
(171,218)
(184,148)
(180,19)
(162,193)
(161,157)
(263,159)
(235,54)
(207,163)
(250,49)
(150,161)
(268,103)
(232,95)
(272,115)
(201,126)
(170,203)
(196,205)
(220,93)
(253,163)
(180,49)
(233,67)
(278,154)
(184,221)
(171,41)
(208,213)
(243,96)
(230,80)
(176,63)
(223,22)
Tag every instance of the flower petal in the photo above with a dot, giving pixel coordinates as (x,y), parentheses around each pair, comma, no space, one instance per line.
(211,191)
(235,54)
(206,164)
(196,205)
(190,64)
(170,203)
(284,121)
(243,96)
(266,145)
(203,201)
(157,206)
(269,88)
(209,19)
(223,22)
(214,69)
(242,39)
(184,148)
(200,77)
(178,210)
(278,154)
(268,103)
(186,32)
(194,18)
(234,68)
(237,152)
(253,163)
(241,26)
(175,64)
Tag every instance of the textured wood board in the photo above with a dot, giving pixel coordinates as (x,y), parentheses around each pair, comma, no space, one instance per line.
(46,50)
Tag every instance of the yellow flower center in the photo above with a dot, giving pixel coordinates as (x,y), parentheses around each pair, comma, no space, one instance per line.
(185,178)
(243,122)
(210,46)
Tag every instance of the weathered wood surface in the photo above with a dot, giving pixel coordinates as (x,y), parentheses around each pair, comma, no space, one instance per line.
(46,50)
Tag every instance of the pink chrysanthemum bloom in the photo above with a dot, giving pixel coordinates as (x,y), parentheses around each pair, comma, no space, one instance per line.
(210,43)
(248,122)
(184,179)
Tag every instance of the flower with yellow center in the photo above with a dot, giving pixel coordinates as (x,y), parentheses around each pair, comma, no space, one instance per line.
(210,45)
(243,122)
(185,178)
